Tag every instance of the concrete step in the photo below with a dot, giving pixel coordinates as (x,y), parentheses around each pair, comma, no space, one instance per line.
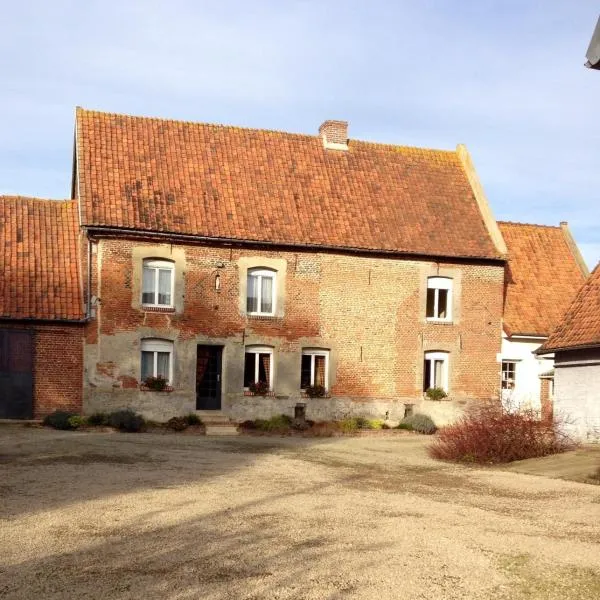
(221,429)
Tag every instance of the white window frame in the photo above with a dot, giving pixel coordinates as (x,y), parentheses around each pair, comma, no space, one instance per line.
(312,352)
(433,356)
(256,350)
(158,265)
(437,284)
(514,381)
(259,273)
(156,345)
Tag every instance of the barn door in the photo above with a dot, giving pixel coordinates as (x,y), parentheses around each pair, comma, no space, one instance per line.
(16,377)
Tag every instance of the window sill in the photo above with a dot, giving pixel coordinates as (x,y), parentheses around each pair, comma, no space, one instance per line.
(167,390)
(258,317)
(249,393)
(439,321)
(159,309)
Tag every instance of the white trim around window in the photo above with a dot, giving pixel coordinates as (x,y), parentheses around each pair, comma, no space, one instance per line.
(158,283)
(439,299)
(435,370)
(156,358)
(311,355)
(261,292)
(257,351)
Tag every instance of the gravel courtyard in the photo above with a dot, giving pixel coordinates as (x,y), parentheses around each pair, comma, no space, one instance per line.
(115,516)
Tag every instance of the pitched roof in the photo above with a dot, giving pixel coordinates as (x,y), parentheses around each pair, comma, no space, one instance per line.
(267,186)
(543,275)
(39,259)
(580,326)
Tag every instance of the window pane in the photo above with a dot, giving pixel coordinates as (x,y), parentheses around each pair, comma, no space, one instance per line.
(163,364)
(320,370)
(147,365)
(164,286)
(430,303)
(267,294)
(252,302)
(438,381)
(249,368)
(264,367)
(426,375)
(148,286)
(305,372)
(442,304)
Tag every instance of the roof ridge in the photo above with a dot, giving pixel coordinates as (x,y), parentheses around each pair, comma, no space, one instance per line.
(529,224)
(35,198)
(80,109)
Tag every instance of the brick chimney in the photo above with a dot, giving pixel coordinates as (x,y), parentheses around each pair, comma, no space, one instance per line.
(334,134)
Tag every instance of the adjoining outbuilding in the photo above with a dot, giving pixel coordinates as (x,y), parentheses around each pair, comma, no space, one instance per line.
(544,271)
(41,310)
(576,347)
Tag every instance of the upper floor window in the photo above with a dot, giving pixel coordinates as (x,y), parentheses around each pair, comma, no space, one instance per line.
(261,292)
(314,369)
(435,371)
(509,371)
(439,299)
(157,283)
(258,366)
(157,359)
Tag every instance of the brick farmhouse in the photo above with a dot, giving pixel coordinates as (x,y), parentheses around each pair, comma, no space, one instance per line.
(250,270)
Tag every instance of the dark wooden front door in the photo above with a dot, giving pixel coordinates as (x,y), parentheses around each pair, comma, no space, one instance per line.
(208,378)
(16,377)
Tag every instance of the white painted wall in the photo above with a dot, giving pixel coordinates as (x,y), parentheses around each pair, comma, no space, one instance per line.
(526,393)
(577,393)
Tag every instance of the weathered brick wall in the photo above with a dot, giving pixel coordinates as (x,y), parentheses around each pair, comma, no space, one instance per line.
(57,366)
(369,311)
(58,369)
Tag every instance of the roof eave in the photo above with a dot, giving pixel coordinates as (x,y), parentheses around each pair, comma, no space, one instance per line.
(100,230)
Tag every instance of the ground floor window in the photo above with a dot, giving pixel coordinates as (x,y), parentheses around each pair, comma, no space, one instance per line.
(435,371)
(314,369)
(258,366)
(157,359)
(509,371)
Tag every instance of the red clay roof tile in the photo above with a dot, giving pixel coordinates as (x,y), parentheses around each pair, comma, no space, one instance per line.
(39,259)
(580,326)
(268,186)
(542,277)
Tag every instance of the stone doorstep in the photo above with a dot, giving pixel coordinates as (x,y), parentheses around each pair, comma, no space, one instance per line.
(218,429)
(214,417)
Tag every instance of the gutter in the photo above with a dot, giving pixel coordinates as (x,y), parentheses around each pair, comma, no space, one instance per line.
(542,350)
(141,233)
(45,321)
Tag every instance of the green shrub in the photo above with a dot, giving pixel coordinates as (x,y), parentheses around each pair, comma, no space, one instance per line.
(59,419)
(315,391)
(375,424)
(403,425)
(177,423)
(157,384)
(276,423)
(126,420)
(421,423)
(259,388)
(76,421)
(97,419)
(192,419)
(436,393)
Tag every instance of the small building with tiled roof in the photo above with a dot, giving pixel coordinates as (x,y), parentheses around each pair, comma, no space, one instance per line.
(544,272)
(575,343)
(41,307)
(254,270)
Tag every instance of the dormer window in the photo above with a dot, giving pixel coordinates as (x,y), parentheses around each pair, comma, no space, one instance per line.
(261,292)
(157,283)
(439,299)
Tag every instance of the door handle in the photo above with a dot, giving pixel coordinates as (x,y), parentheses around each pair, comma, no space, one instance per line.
(218,378)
